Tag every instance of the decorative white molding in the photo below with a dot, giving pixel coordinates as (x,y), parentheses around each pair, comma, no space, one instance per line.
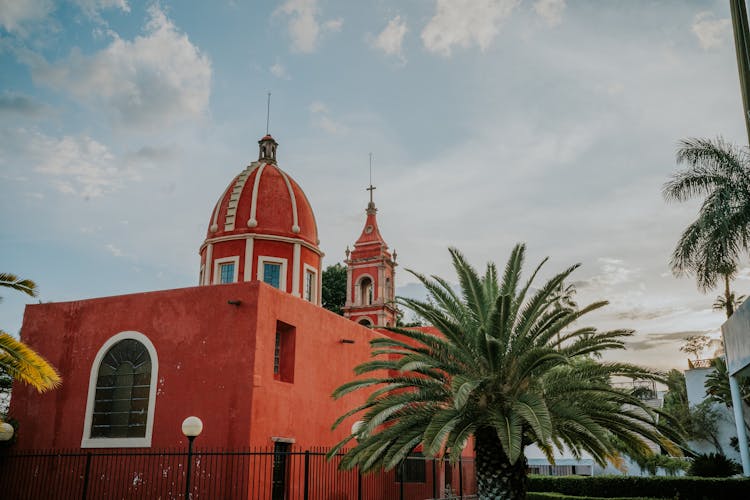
(248,274)
(225,260)
(262,259)
(214,221)
(234,198)
(295,270)
(252,221)
(144,442)
(267,237)
(209,267)
(349,289)
(277,439)
(293,199)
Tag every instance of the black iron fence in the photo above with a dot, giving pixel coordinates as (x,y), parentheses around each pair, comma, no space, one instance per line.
(255,473)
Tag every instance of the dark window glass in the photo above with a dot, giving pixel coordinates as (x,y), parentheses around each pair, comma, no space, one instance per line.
(277,354)
(272,274)
(226,273)
(123,387)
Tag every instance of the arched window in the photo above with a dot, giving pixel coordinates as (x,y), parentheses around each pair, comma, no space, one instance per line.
(365,291)
(365,322)
(120,407)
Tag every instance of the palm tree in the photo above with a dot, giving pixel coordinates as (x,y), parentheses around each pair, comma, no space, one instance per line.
(721,302)
(711,246)
(18,360)
(496,372)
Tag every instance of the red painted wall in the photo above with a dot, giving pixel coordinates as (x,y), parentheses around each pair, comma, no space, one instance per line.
(215,361)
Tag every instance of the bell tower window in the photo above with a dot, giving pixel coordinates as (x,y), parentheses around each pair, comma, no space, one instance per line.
(365,291)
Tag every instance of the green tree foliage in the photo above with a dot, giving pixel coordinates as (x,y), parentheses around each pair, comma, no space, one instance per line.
(695,345)
(334,288)
(713,465)
(508,369)
(17,360)
(717,384)
(711,246)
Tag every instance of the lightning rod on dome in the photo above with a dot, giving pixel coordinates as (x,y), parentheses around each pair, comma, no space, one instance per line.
(268,112)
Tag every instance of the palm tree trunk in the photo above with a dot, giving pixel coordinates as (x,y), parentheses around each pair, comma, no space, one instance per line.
(497,478)
(728,297)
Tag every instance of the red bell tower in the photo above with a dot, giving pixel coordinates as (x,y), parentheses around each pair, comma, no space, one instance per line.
(370,276)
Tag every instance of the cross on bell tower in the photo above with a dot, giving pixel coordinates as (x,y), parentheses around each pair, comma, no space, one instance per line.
(370,277)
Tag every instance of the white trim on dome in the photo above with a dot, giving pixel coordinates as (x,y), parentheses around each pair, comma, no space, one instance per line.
(295,222)
(239,185)
(257,236)
(252,221)
(248,274)
(214,219)
(209,267)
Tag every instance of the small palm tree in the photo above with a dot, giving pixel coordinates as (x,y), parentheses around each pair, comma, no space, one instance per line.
(711,246)
(720,304)
(497,372)
(18,360)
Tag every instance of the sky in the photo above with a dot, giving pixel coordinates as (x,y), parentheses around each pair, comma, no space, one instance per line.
(491,122)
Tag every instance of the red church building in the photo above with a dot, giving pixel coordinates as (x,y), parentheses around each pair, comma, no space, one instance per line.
(250,350)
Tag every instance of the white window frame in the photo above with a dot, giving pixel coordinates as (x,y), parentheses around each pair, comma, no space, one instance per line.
(314,288)
(267,259)
(135,442)
(226,260)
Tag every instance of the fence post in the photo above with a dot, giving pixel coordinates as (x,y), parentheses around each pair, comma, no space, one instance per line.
(307,474)
(401,482)
(359,483)
(461,476)
(86,472)
(434,479)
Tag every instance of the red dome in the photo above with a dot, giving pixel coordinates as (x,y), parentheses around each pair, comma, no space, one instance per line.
(263,199)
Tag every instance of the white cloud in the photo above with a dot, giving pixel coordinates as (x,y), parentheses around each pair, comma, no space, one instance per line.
(75,165)
(550,10)
(711,32)
(391,39)
(279,71)
(304,27)
(465,23)
(321,118)
(14,14)
(613,272)
(115,251)
(93,7)
(158,78)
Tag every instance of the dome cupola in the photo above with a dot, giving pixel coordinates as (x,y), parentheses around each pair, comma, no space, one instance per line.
(263,228)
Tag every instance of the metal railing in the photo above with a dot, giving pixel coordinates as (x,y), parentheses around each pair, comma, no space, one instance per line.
(254,473)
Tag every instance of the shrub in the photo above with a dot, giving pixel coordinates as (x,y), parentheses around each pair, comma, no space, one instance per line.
(713,465)
(684,488)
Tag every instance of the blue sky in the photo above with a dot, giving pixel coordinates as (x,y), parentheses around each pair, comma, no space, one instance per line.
(551,122)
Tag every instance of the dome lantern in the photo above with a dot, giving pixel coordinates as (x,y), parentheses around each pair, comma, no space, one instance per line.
(267,149)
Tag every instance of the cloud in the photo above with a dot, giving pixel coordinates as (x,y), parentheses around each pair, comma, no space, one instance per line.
(711,32)
(115,251)
(74,165)
(157,79)
(303,24)
(19,104)
(391,39)
(651,340)
(613,272)
(321,118)
(465,23)
(279,71)
(92,7)
(550,10)
(14,14)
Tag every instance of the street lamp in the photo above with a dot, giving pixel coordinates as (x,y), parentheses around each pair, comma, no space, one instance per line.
(6,431)
(191,428)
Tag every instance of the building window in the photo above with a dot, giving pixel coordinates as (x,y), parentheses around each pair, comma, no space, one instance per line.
(272,274)
(120,406)
(226,270)
(272,270)
(310,285)
(283,352)
(413,469)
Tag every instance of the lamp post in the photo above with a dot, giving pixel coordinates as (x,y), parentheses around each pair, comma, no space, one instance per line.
(356,431)
(6,431)
(191,428)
